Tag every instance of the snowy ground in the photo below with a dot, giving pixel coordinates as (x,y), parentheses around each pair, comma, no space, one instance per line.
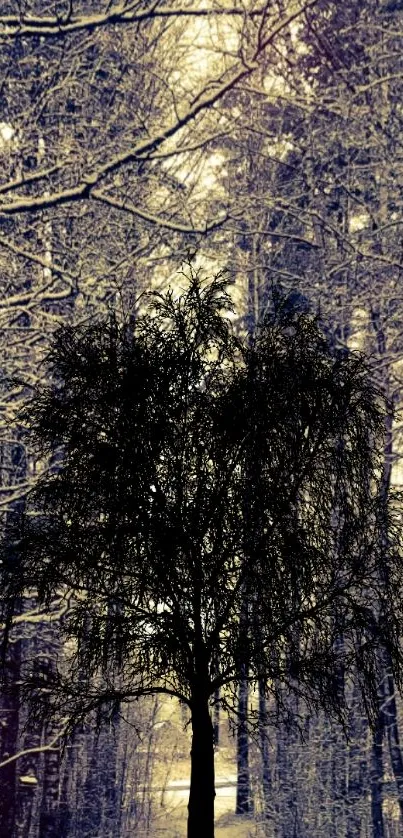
(230,828)
(171,784)
(172,823)
(226,826)
(177,794)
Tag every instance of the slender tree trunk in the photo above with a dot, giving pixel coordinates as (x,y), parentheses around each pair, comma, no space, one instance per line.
(112,803)
(243,793)
(68,788)
(378,828)
(264,751)
(30,765)
(28,787)
(202,789)
(357,769)
(91,815)
(389,710)
(216,708)
(9,722)
(387,720)
(216,718)
(286,803)
(10,699)
(49,821)
(392,730)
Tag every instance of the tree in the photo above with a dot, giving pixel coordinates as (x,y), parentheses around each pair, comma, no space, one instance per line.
(201,470)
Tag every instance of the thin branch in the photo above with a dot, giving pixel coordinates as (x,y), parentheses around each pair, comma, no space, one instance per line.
(157,220)
(40,749)
(39,260)
(24,179)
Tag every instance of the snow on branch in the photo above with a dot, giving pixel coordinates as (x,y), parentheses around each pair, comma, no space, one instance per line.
(39,749)
(47,26)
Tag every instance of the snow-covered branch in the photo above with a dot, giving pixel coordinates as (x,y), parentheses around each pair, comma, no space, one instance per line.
(126,13)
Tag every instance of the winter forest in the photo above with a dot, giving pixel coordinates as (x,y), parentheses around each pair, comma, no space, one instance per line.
(234,167)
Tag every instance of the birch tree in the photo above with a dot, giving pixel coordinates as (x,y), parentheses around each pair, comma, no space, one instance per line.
(160,563)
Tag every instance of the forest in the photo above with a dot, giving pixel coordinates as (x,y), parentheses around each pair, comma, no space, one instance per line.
(253,150)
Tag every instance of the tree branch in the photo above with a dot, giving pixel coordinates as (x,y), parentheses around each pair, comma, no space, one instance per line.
(157,220)
(40,749)
(51,27)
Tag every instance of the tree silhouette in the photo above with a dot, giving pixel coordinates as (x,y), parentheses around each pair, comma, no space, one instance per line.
(201,470)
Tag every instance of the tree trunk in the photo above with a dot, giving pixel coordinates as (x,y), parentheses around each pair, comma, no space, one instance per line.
(243,795)
(378,829)
(285,815)
(264,751)
(202,791)
(216,718)
(91,815)
(29,769)
(108,771)
(10,699)
(49,820)
(28,786)
(357,773)
(69,808)
(9,722)
(392,729)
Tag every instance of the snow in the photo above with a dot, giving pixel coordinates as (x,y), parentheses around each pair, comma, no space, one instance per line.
(6,133)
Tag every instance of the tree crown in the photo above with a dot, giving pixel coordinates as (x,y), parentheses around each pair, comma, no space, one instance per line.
(201,471)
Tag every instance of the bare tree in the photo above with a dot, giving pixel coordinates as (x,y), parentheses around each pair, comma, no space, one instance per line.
(156,567)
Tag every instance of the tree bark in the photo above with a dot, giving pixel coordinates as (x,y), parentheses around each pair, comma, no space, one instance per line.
(108,767)
(49,820)
(243,795)
(378,828)
(28,786)
(9,723)
(264,750)
(357,772)
(202,790)
(392,729)
(216,718)
(91,815)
